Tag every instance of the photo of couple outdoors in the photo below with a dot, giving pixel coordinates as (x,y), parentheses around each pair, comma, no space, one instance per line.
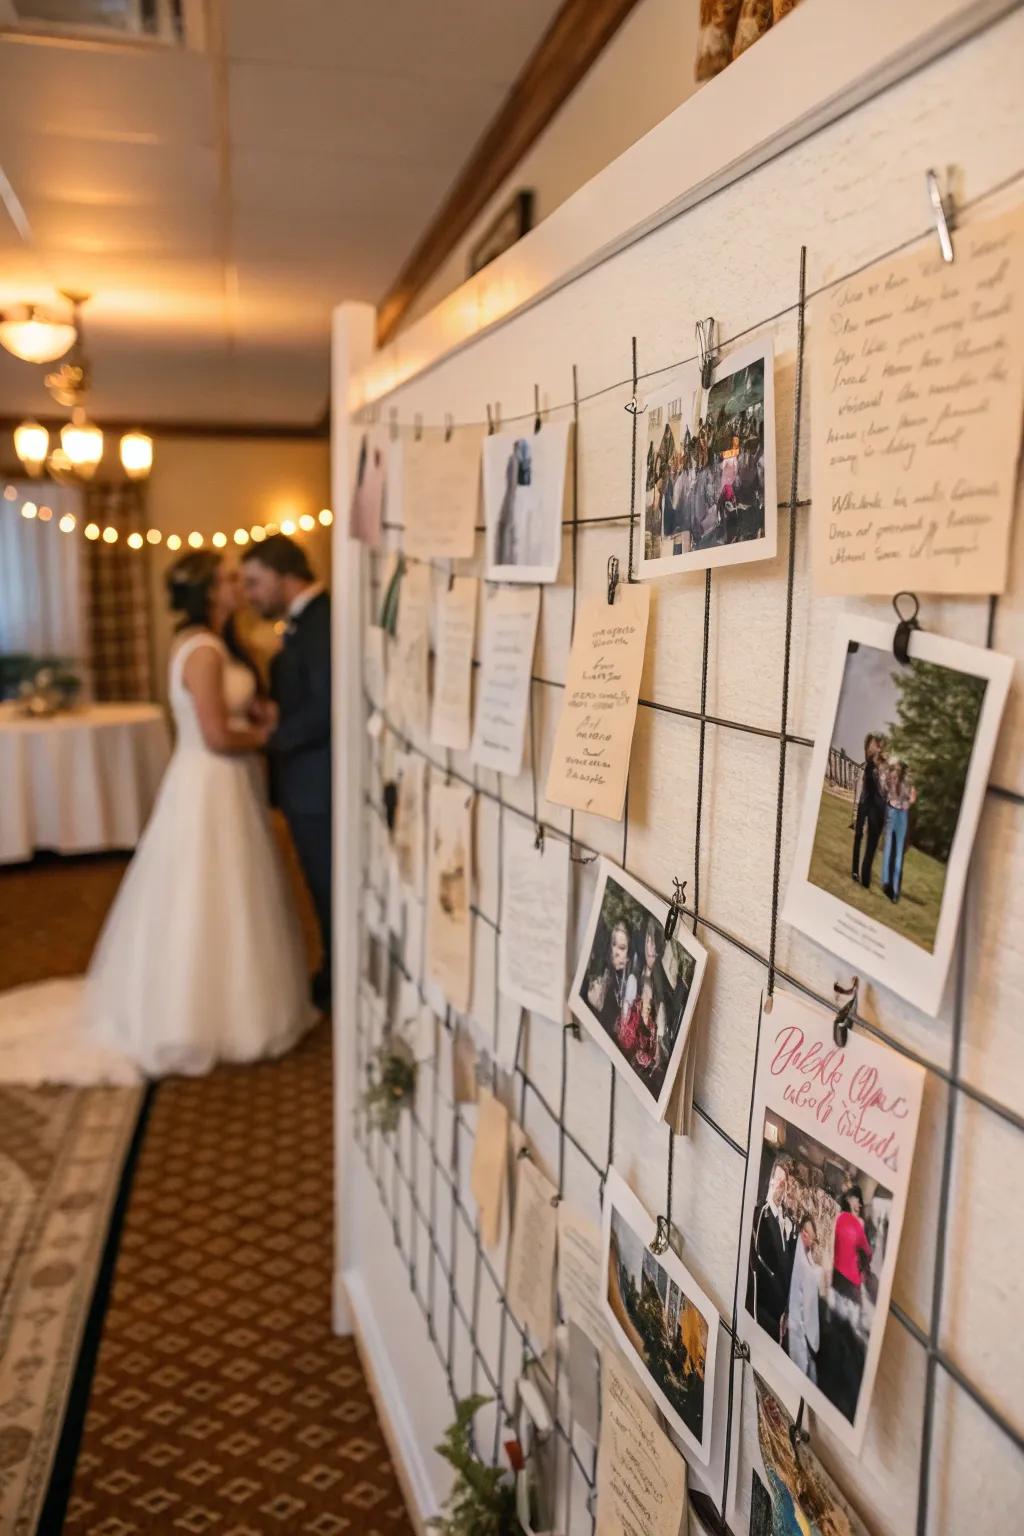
(817,1248)
(663,1326)
(636,986)
(897,768)
(705,488)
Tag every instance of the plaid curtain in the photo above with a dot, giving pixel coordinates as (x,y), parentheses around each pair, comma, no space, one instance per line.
(117,596)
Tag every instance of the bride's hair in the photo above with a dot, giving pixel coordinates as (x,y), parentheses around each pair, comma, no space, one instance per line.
(188,586)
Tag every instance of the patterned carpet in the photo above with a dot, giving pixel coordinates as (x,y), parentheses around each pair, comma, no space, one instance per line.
(221,1401)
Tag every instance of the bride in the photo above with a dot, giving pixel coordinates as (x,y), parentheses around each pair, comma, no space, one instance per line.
(201,958)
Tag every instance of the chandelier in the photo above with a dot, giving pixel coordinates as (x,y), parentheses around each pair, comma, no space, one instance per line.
(34,337)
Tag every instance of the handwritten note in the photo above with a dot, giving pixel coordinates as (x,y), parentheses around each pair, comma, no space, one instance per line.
(487,1173)
(453,663)
(449,936)
(580,1270)
(590,761)
(410,820)
(534,915)
(409,667)
(918,371)
(531,1259)
(641,1477)
(503,690)
(440,496)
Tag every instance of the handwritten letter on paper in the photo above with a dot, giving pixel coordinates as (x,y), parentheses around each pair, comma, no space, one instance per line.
(453,667)
(503,690)
(918,370)
(590,761)
(641,1477)
(408,675)
(487,1175)
(441,493)
(531,1260)
(534,914)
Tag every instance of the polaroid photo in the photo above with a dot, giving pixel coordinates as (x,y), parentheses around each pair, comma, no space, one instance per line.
(795,1495)
(524,499)
(635,990)
(831,1150)
(366,509)
(896,785)
(706,484)
(665,1325)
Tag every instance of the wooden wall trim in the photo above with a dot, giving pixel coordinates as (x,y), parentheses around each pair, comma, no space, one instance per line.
(575,38)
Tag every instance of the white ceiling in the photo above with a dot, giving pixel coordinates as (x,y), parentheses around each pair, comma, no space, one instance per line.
(217,204)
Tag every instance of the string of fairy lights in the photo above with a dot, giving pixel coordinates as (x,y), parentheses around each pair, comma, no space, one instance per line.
(107,533)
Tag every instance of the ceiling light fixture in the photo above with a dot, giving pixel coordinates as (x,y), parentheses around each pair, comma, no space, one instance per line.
(137,455)
(34,337)
(31,444)
(83,443)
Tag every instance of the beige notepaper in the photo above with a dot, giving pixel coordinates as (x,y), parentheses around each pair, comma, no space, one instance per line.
(503,688)
(531,1259)
(449,933)
(918,371)
(580,1265)
(487,1174)
(408,676)
(441,492)
(590,762)
(453,663)
(534,919)
(641,1477)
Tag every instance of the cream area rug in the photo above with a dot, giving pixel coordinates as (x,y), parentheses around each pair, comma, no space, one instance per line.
(62,1153)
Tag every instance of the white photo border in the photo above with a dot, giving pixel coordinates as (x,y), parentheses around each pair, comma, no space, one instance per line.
(894,961)
(579,1009)
(498,445)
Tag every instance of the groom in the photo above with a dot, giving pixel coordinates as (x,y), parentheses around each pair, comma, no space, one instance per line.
(279,584)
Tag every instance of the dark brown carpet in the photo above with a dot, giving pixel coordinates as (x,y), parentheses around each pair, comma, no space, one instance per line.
(221,1400)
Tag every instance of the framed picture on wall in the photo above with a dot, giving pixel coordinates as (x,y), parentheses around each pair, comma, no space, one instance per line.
(512,222)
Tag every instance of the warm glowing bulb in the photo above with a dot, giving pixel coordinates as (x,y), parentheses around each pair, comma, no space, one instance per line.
(29,509)
(270,529)
(219,540)
(288,527)
(31,444)
(45,514)
(10,493)
(67,523)
(257,533)
(326,517)
(136,455)
(307,523)
(173,541)
(153,535)
(92,530)
(241,536)
(195,540)
(110,534)
(82,442)
(135,541)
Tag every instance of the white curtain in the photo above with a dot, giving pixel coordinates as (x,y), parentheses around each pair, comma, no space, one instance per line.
(41,574)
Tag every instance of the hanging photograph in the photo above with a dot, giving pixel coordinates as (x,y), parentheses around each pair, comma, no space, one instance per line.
(706,482)
(367,506)
(635,990)
(798,1497)
(895,788)
(661,1319)
(832,1144)
(524,499)
(449,935)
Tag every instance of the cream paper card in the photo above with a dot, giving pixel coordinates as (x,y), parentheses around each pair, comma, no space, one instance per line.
(410,820)
(531,1259)
(918,373)
(453,663)
(449,939)
(487,1173)
(590,762)
(580,1266)
(641,1477)
(440,492)
(409,673)
(503,690)
(524,494)
(534,918)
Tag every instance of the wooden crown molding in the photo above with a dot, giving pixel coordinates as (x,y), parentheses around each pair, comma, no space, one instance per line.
(575,38)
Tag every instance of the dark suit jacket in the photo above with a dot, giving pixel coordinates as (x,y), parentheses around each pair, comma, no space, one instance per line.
(300,685)
(771,1267)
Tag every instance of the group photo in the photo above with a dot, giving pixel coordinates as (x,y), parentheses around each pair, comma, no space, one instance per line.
(817,1247)
(524,491)
(635,988)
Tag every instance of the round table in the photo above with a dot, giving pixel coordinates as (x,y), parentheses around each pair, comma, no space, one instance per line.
(81,781)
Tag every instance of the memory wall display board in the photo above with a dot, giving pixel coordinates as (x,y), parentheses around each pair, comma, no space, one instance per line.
(735,684)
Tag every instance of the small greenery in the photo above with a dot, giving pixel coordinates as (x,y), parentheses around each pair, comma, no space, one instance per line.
(391,1082)
(482,1501)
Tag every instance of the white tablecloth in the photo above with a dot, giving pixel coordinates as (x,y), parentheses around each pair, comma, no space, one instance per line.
(79,782)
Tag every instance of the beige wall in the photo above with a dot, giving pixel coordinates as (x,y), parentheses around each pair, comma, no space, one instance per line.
(223,483)
(645,72)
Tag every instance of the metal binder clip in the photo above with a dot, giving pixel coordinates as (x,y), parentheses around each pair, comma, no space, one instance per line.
(573,1029)
(740,1349)
(906,625)
(449,426)
(675,906)
(537,423)
(417,427)
(706,350)
(538,841)
(490,420)
(798,1436)
(613,576)
(846,1013)
(944,212)
(659,1242)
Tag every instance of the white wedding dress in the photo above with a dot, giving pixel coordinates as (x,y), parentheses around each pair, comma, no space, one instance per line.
(201,957)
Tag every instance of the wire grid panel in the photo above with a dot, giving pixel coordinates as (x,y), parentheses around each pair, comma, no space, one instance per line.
(728,706)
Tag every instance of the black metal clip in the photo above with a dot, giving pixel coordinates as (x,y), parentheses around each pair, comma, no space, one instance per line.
(944,210)
(706,350)
(537,423)
(417,427)
(574,1029)
(846,1013)
(613,576)
(740,1349)
(660,1241)
(449,426)
(451,576)
(538,841)
(675,906)
(904,629)
(799,1436)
